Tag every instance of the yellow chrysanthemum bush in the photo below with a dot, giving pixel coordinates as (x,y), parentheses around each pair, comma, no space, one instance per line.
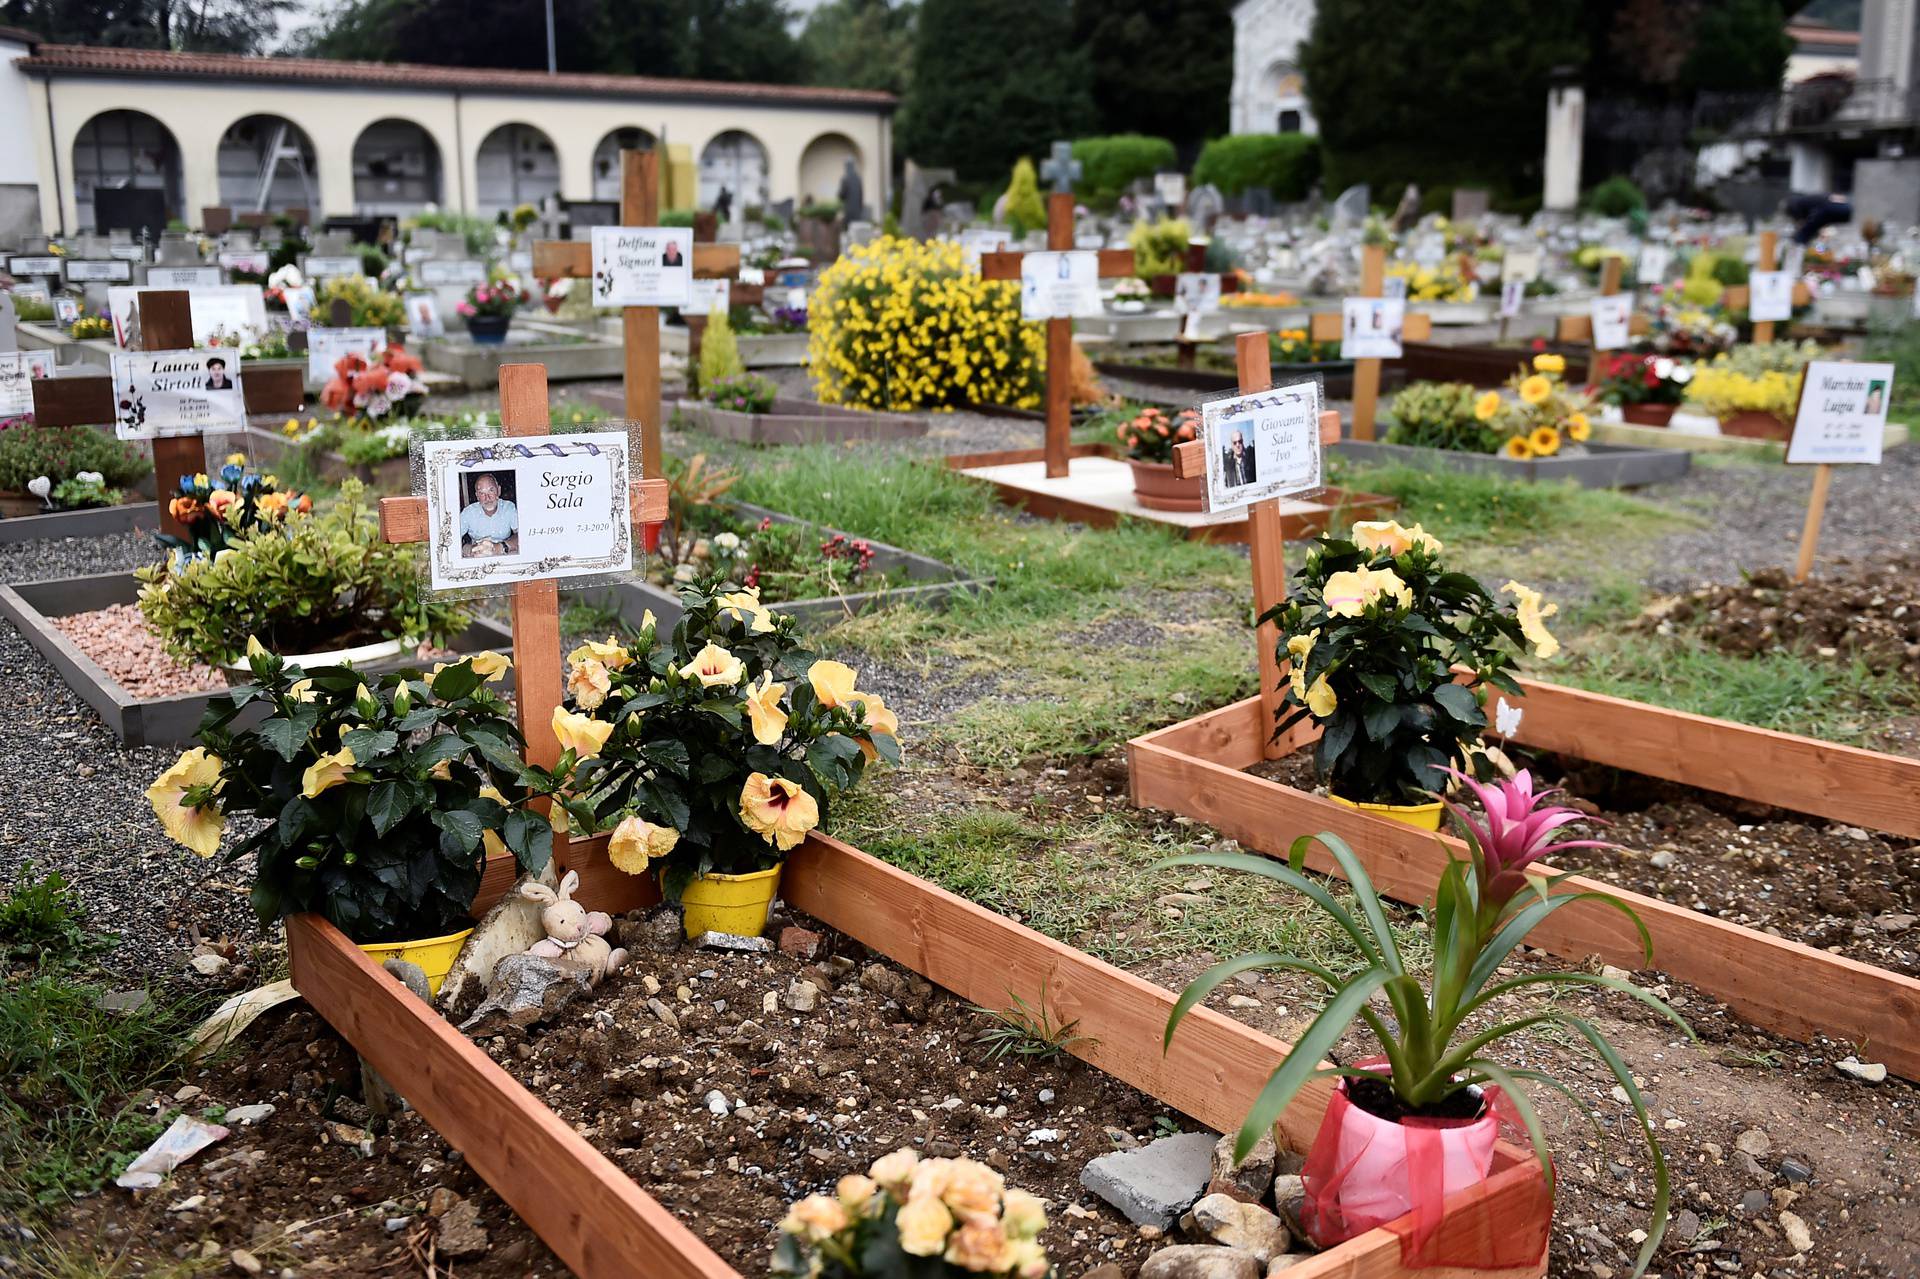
(716,748)
(1371,631)
(1757,377)
(1544,415)
(902,324)
(1443,283)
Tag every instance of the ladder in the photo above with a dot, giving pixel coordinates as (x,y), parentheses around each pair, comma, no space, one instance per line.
(283,150)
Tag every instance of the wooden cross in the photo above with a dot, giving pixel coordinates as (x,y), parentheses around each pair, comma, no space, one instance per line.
(1739,297)
(1254,362)
(573,260)
(1579,328)
(166,324)
(1331,327)
(538,681)
(1114,263)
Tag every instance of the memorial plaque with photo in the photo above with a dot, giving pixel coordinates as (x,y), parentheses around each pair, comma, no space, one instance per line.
(158,393)
(1612,321)
(1843,413)
(423,316)
(642,266)
(1059,286)
(326,346)
(1771,296)
(709,297)
(1370,328)
(16,384)
(1196,293)
(1262,445)
(520,509)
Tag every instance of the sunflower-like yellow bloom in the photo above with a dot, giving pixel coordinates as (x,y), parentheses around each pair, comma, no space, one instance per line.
(1536,389)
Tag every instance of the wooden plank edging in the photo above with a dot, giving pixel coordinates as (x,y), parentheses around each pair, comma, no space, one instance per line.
(1779,985)
(603,1225)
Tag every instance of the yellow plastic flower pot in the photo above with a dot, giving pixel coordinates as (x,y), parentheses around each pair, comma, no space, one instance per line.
(435,955)
(1418,816)
(735,904)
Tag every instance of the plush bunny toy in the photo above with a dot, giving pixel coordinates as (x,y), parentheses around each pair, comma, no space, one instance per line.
(574,933)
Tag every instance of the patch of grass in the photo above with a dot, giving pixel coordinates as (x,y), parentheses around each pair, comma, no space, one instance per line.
(1024,1030)
(39,919)
(1464,507)
(584,614)
(1830,700)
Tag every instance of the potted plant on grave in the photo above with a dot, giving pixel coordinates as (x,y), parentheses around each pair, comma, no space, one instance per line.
(1373,628)
(488,310)
(1148,437)
(77,466)
(369,393)
(1443,415)
(709,754)
(926,1218)
(741,393)
(374,802)
(318,589)
(1545,414)
(1436,1069)
(1645,386)
(1753,388)
(1296,351)
(216,509)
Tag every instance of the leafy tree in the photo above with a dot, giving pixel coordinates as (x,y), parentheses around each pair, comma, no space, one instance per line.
(206,26)
(993,80)
(1410,90)
(1738,45)
(860,44)
(1026,211)
(1159,67)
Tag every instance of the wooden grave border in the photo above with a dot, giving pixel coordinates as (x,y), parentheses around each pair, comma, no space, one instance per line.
(1197,768)
(597,1219)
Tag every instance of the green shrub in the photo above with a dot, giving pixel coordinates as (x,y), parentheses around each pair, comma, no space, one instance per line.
(1026,211)
(1439,415)
(677,217)
(1108,166)
(1159,248)
(1286,164)
(1616,197)
(742,393)
(477,232)
(32,311)
(719,353)
(309,585)
(59,452)
(373,307)
(819,210)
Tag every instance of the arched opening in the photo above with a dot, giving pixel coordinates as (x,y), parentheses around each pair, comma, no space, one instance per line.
(396,169)
(1290,121)
(126,173)
(1287,97)
(516,164)
(822,166)
(266,165)
(737,163)
(606,159)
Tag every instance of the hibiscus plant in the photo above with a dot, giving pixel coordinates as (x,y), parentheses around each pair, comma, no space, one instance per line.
(1373,627)
(374,801)
(718,747)
(1438,1039)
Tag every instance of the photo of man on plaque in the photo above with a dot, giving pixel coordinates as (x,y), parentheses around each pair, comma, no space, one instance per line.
(489,522)
(1237,461)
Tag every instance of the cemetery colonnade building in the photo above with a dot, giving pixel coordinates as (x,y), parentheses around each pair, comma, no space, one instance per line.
(362,139)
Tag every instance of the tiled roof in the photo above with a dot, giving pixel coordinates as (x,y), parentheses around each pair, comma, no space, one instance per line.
(87,59)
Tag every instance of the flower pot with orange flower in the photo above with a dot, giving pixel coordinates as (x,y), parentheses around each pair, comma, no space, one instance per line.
(1148,436)
(709,753)
(1373,629)
(374,801)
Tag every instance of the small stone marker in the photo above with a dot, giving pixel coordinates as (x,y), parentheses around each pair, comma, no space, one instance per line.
(1153,1185)
(732,941)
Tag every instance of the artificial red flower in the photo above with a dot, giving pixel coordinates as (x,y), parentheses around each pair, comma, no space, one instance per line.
(399,361)
(335,393)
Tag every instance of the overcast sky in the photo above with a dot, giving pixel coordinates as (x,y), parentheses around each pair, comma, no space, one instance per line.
(305,12)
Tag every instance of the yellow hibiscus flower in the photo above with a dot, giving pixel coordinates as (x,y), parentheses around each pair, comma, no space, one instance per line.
(923,1225)
(1389,536)
(879,720)
(832,683)
(745,606)
(815,1218)
(1487,405)
(492,666)
(588,684)
(763,708)
(196,826)
(779,811)
(636,841)
(1545,441)
(326,772)
(1320,699)
(1533,618)
(1536,389)
(490,840)
(582,734)
(1517,448)
(715,667)
(609,653)
(1349,593)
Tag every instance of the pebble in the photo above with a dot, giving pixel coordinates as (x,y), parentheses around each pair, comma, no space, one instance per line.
(1796,1171)
(208,965)
(1755,1142)
(1799,1238)
(188,1204)
(1685,1227)
(802,995)
(1753,1203)
(1243,1001)
(1866,1072)
(246,1116)
(1663,860)
(1040,1136)
(1046,1095)
(245,1262)
(717,1103)
(664,1013)
(394,1225)
(733,941)
(188,1093)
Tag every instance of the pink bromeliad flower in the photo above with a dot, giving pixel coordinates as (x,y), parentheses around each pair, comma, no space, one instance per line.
(1517,831)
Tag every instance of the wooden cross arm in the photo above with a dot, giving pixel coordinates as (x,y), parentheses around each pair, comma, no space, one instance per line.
(404,519)
(1190,459)
(1738,296)
(1579,328)
(1114,263)
(88,401)
(1327,327)
(573,259)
